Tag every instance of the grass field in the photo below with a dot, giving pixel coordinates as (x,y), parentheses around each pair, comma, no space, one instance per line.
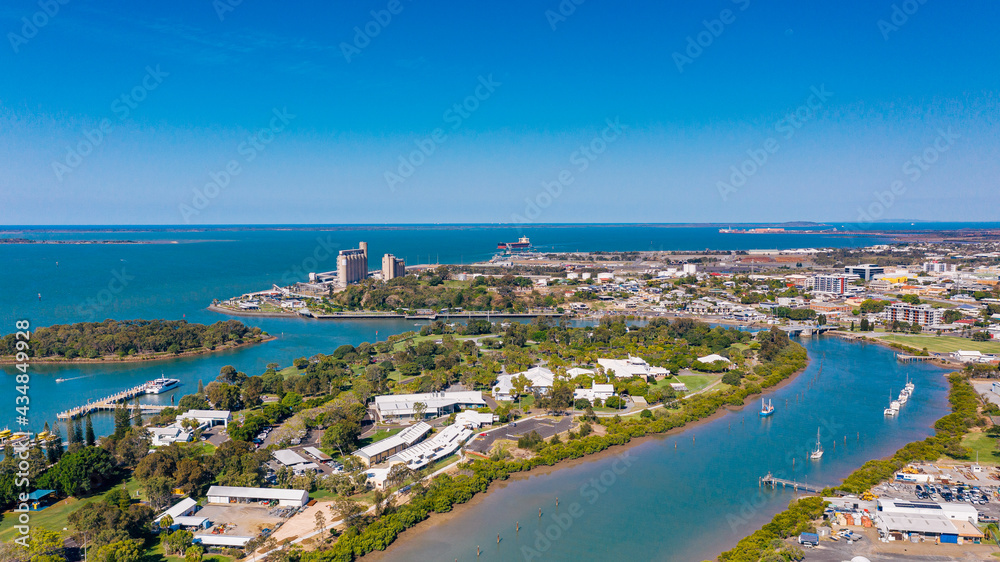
(56,517)
(983,444)
(943,344)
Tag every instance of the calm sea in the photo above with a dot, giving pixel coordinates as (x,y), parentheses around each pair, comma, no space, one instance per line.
(178,276)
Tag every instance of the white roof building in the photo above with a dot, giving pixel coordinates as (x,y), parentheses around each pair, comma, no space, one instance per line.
(631,367)
(186,506)
(473,419)
(577,371)
(208,418)
(713,358)
(224,495)
(173,433)
(437,447)
(381,450)
(541,380)
(294,461)
(596,391)
(401,406)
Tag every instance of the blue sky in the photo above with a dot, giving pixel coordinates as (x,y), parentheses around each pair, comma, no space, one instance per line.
(132,112)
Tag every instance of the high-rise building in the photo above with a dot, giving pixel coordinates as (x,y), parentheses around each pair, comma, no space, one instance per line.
(352,265)
(923,314)
(938,267)
(836,283)
(392,267)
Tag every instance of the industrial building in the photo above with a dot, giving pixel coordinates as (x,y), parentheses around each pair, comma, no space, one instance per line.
(352,265)
(392,267)
(946,522)
(238,494)
(923,314)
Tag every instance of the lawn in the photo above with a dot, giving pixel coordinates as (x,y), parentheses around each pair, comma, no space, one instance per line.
(56,517)
(983,444)
(944,344)
(379,435)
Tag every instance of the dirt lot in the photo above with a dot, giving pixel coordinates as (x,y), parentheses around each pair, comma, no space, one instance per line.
(875,550)
(240,520)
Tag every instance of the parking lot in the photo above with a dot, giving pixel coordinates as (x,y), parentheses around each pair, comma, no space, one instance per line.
(908,491)
(546,428)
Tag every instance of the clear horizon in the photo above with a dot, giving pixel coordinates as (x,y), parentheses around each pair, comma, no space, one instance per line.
(393,111)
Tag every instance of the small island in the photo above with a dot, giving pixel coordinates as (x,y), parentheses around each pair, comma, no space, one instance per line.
(130,340)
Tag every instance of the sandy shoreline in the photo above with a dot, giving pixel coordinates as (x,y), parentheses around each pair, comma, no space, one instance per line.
(436,519)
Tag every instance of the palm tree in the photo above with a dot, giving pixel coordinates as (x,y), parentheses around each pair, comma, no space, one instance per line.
(992,532)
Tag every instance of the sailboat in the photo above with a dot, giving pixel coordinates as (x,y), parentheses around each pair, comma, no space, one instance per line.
(766,409)
(818,453)
(909,385)
(903,396)
(893,408)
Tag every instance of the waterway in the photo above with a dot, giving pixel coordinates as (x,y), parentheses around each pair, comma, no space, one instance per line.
(690,495)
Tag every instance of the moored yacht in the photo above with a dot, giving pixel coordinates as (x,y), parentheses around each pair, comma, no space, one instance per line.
(162,384)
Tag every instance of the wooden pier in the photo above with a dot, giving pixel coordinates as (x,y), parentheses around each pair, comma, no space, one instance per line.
(903,358)
(110,403)
(772,482)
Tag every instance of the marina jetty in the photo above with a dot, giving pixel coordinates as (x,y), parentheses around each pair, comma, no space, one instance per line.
(771,481)
(110,402)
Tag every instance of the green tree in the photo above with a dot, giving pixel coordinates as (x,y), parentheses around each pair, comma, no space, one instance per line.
(91,439)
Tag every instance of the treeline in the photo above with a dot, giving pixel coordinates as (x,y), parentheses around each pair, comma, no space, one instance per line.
(91,340)
(368,534)
(430,291)
(799,515)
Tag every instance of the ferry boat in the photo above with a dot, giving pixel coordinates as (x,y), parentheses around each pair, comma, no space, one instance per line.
(522,244)
(818,453)
(5,434)
(60,380)
(766,409)
(160,385)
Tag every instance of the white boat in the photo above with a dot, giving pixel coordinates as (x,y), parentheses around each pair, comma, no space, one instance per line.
(160,385)
(60,380)
(909,385)
(903,397)
(891,411)
(818,453)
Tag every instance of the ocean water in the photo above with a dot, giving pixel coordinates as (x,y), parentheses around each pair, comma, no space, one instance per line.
(178,275)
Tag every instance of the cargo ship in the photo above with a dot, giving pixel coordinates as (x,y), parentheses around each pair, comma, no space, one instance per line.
(522,244)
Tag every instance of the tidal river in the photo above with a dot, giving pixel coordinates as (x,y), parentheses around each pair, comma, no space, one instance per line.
(689,495)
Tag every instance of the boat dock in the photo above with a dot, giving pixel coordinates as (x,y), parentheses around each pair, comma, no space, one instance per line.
(773,482)
(903,358)
(110,402)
